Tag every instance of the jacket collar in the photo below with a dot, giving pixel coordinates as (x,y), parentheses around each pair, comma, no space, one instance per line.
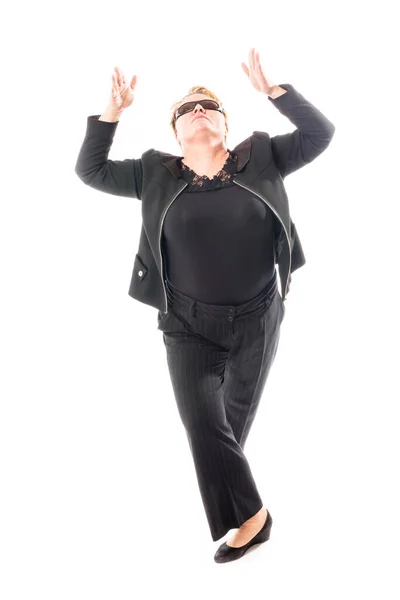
(242,150)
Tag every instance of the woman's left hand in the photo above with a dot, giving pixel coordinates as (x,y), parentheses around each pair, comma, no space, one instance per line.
(256,75)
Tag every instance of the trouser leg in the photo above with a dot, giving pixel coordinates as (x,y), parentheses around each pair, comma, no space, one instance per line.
(249,363)
(228,490)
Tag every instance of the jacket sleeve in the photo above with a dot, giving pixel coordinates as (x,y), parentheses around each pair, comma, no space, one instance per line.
(117,177)
(314,132)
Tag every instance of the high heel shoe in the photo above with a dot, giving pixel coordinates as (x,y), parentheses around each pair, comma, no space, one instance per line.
(227,553)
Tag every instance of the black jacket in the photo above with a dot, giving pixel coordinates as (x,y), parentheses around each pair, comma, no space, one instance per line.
(263,163)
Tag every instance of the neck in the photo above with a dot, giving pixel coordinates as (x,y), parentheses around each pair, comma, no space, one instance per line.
(204,162)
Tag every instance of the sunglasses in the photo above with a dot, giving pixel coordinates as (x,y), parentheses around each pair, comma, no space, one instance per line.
(189,106)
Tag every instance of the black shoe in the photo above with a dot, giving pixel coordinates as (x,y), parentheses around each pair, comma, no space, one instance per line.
(227,553)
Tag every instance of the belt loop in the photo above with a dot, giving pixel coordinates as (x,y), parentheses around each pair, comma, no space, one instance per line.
(193,309)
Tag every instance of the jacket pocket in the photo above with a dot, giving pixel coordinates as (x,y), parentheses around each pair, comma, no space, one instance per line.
(139,268)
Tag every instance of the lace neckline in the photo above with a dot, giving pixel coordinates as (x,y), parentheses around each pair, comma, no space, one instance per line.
(224,175)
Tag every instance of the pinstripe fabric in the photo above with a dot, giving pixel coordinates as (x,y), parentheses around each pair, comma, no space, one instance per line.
(219,358)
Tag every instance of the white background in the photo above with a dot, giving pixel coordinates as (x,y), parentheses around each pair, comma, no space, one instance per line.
(99,496)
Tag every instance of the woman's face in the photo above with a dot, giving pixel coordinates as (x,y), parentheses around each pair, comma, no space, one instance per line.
(199,124)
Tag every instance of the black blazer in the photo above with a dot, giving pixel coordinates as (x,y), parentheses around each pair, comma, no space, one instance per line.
(263,163)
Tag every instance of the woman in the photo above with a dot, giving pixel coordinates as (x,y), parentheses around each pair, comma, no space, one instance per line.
(219,241)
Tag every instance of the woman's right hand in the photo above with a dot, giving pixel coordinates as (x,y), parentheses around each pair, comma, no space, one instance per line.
(122,93)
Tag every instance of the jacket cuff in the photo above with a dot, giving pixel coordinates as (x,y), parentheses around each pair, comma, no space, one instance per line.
(102,129)
(283,98)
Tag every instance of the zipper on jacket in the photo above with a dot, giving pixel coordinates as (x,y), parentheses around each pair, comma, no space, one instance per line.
(159,245)
(274,211)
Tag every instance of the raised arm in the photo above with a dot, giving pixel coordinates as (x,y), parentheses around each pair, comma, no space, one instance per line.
(95,169)
(117,177)
(314,132)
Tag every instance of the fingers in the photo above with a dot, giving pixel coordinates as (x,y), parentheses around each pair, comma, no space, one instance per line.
(119,76)
(115,89)
(115,84)
(254,62)
(251,58)
(119,85)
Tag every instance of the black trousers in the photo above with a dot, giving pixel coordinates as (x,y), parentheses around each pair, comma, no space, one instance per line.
(219,358)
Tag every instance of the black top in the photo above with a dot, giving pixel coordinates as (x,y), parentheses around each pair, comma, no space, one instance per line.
(218,245)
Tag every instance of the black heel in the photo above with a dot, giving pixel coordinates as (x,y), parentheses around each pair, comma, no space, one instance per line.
(227,553)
